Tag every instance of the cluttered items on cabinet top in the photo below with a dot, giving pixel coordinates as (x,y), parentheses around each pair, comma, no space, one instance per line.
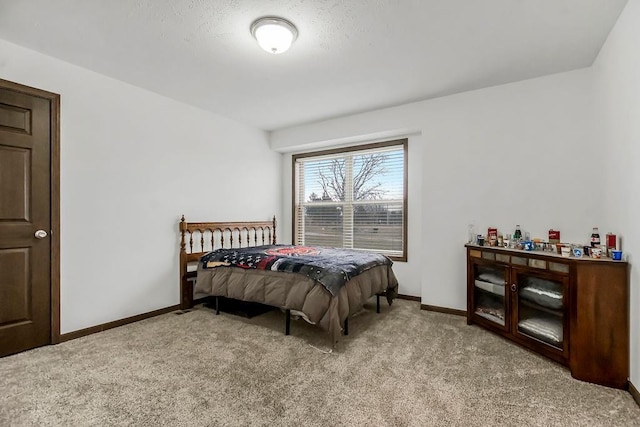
(593,246)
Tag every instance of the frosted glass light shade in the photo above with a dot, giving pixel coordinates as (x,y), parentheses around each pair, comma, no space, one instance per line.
(275,35)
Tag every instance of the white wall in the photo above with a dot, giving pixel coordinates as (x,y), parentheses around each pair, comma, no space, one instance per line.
(131,163)
(617,78)
(523,153)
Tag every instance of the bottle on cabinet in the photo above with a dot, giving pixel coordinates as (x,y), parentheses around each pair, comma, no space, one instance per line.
(492,236)
(517,235)
(595,238)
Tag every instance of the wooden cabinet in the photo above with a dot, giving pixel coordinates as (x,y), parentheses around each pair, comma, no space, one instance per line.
(572,310)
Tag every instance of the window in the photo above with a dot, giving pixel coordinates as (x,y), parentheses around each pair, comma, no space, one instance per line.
(353,197)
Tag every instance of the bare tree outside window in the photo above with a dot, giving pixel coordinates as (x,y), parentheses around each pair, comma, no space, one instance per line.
(333,181)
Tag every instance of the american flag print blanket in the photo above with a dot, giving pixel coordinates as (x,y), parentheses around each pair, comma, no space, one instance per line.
(331,267)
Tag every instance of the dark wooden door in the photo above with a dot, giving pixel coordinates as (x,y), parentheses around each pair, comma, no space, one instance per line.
(25,221)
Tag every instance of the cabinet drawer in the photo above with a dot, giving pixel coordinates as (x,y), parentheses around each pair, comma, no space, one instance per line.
(502,258)
(489,255)
(538,263)
(559,267)
(518,260)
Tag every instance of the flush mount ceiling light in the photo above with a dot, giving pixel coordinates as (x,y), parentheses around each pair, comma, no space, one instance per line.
(274,34)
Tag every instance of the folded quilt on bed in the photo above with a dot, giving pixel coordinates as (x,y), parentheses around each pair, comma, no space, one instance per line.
(332,267)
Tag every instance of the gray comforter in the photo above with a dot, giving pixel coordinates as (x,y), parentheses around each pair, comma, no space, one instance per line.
(288,290)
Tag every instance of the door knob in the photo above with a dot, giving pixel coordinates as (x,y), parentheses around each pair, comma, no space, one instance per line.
(41,234)
(513,287)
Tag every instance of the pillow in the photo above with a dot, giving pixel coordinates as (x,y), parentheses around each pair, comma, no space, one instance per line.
(542,292)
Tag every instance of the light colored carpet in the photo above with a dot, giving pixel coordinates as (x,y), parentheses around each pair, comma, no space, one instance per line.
(403,367)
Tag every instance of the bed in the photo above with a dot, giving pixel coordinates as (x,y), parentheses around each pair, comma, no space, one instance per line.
(213,263)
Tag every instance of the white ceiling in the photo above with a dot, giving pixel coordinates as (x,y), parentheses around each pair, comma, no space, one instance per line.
(350,56)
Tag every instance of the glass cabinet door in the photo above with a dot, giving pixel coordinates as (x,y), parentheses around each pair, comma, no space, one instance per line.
(489,302)
(540,308)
